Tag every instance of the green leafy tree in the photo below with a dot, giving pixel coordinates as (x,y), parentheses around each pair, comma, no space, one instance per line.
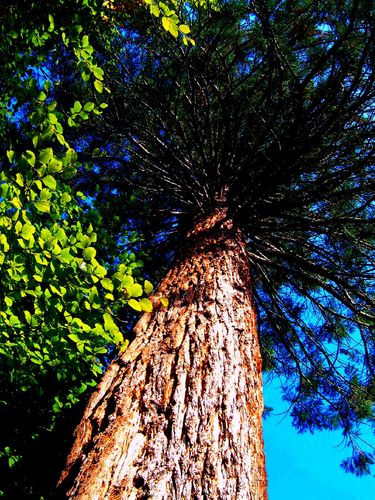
(254,148)
(67,276)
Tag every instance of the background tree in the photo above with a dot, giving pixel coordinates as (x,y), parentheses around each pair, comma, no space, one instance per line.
(261,134)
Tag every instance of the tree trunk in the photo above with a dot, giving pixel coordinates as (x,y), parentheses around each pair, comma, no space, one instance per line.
(179,414)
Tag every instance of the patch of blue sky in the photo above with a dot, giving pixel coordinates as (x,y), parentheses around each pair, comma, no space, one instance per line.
(304,465)
(42,75)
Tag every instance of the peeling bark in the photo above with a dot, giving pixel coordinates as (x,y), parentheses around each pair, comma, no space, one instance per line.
(179,414)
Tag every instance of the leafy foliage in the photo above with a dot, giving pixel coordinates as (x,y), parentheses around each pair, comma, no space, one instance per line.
(66,279)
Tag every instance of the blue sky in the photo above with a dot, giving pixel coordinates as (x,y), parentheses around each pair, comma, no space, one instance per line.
(305,466)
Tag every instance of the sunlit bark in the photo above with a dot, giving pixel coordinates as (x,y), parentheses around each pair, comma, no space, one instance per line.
(179,414)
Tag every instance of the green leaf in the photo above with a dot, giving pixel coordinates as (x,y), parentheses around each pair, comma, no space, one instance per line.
(74,337)
(43,206)
(4,188)
(30,157)
(109,324)
(65,197)
(164,301)
(16,202)
(55,166)
(148,287)
(14,322)
(173,30)
(49,181)
(52,106)
(134,304)
(146,305)
(45,194)
(107,284)
(27,231)
(85,75)
(27,316)
(19,179)
(99,86)
(166,23)
(127,281)
(184,29)
(98,73)
(52,118)
(77,107)
(65,256)
(89,253)
(8,301)
(100,271)
(10,155)
(45,155)
(135,290)
(154,9)
(89,106)
(51,23)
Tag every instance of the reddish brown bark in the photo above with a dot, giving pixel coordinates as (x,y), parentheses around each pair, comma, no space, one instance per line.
(179,414)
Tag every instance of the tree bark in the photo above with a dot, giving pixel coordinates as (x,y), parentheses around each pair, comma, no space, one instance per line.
(179,414)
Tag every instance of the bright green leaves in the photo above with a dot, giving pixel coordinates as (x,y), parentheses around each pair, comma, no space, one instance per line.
(89,253)
(30,157)
(4,243)
(110,326)
(51,26)
(98,86)
(77,108)
(134,304)
(184,29)
(42,206)
(164,301)
(49,181)
(27,231)
(135,290)
(148,287)
(19,179)
(54,287)
(81,112)
(107,284)
(89,106)
(11,457)
(65,256)
(170,20)
(146,305)
(90,71)
(46,155)
(170,24)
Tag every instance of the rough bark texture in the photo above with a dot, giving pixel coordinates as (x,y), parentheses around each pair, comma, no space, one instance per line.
(179,414)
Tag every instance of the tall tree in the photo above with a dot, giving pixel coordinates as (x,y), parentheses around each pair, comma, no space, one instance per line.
(256,148)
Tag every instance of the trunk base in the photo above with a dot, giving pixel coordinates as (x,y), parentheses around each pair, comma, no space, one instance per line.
(179,414)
